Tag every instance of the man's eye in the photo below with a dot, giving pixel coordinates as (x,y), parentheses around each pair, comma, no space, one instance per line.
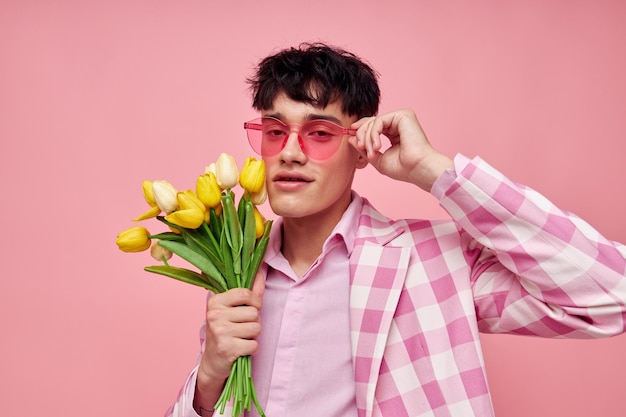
(274,133)
(320,134)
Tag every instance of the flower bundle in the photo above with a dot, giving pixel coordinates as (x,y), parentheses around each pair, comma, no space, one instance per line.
(225,243)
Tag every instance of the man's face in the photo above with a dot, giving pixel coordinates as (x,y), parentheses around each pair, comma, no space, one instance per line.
(300,187)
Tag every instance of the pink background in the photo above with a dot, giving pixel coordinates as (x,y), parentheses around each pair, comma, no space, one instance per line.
(96,96)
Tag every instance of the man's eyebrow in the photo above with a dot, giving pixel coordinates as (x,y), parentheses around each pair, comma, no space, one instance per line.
(309,117)
(324,117)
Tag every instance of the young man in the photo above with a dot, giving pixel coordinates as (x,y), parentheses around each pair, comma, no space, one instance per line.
(358,315)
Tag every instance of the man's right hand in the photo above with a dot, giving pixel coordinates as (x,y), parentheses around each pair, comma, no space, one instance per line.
(232,326)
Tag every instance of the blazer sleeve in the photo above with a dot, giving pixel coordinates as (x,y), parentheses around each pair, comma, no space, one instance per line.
(538,270)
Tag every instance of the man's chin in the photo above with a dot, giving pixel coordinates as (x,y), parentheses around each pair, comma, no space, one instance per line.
(287,210)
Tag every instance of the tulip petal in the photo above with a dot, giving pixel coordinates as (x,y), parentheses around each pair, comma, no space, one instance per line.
(165,195)
(189,219)
(260,196)
(259,221)
(153,212)
(148,194)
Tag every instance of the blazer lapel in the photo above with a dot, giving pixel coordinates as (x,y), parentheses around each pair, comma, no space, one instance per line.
(377,275)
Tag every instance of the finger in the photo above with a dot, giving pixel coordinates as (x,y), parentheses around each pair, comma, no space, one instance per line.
(248,330)
(227,326)
(233,298)
(238,347)
(226,350)
(370,136)
(378,129)
(358,140)
(243,314)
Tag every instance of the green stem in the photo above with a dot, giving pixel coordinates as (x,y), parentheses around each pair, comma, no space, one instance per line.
(210,234)
(253,395)
(226,392)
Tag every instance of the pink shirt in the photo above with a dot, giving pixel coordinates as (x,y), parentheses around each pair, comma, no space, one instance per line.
(306,330)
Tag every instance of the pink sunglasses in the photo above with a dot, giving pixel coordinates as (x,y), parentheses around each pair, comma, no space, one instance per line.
(319,139)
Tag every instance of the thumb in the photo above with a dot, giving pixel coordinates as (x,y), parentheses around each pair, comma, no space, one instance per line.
(258,286)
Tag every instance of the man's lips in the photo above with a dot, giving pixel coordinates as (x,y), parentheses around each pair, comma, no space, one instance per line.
(290,177)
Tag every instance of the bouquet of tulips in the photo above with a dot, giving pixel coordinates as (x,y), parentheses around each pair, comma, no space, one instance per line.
(226,244)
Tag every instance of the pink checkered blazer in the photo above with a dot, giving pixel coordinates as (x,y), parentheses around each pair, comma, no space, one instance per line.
(509,262)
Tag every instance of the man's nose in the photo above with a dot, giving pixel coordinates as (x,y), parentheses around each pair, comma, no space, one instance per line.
(292,145)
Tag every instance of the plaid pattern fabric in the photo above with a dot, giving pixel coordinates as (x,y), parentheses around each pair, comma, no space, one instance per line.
(509,261)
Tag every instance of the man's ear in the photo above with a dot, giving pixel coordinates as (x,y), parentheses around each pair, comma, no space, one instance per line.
(361,160)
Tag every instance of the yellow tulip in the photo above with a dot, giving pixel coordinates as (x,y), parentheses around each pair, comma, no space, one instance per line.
(252,175)
(208,190)
(189,199)
(165,195)
(135,239)
(190,214)
(159,253)
(148,195)
(259,222)
(260,196)
(226,171)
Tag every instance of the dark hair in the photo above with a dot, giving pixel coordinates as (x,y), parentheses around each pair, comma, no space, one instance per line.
(317,74)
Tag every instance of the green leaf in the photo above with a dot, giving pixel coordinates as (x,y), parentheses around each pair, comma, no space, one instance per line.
(259,254)
(215,223)
(234,235)
(181,274)
(231,223)
(168,236)
(199,241)
(249,238)
(196,259)
(210,238)
(227,256)
(241,211)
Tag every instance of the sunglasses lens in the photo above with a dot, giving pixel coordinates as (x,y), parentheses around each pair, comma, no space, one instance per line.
(319,139)
(260,131)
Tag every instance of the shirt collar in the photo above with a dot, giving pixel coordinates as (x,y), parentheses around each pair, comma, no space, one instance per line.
(344,231)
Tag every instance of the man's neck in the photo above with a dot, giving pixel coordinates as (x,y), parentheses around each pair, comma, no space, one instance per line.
(303,238)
